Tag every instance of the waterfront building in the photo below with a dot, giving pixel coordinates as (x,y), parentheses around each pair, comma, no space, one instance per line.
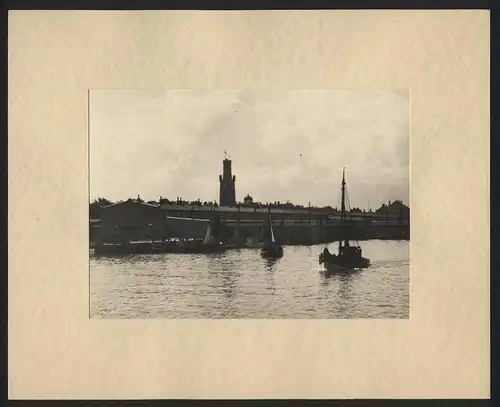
(135,219)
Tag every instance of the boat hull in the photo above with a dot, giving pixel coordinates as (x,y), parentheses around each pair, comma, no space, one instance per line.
(254,245)
(193,247)
(334,262)
(335,268)
(272,252)
(123,249)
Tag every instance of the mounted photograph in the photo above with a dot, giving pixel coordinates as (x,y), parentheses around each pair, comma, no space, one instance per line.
(249,204)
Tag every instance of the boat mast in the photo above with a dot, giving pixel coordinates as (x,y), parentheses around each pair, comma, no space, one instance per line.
(342,210)
(269,232)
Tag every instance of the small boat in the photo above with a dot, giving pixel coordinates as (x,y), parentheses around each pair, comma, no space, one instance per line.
(210,243)
(348,257)
(252,243)
(271,249)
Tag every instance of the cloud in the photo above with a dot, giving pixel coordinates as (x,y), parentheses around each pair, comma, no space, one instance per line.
(285,145)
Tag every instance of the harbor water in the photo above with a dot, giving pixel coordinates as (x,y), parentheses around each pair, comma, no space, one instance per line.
(241,284)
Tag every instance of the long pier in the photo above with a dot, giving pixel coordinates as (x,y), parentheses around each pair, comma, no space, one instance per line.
(312,232)
(136,221)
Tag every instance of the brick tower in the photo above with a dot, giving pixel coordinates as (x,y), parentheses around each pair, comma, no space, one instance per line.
(227,181)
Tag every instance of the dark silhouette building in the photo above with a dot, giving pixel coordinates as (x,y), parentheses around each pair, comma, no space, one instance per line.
(393,209)
(227,189)
(248,200)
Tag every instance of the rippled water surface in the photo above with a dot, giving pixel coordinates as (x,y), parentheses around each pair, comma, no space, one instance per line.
(240,284)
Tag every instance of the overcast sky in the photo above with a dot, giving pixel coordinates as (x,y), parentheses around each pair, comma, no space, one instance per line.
(285,145)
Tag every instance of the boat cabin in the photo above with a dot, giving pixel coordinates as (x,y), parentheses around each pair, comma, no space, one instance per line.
(350,251)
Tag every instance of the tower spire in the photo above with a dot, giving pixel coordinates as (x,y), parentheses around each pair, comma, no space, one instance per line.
(227,181)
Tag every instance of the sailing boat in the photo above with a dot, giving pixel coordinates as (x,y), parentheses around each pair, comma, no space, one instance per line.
(271,249)
(348,257)
(210,243)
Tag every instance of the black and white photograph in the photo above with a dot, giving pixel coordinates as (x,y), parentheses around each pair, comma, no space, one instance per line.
(249,203)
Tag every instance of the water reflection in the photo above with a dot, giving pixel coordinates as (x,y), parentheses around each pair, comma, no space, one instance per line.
(223,277)
(345,294)
(241,284)
(271,264)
